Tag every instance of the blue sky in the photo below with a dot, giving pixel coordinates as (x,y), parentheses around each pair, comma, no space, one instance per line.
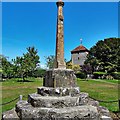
(27,24)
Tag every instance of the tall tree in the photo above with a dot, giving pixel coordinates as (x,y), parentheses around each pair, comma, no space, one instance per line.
(7,67)
(105,55)
(50,61)
(26,64)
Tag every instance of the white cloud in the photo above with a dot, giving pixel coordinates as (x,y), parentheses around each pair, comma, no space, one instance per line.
(43,66)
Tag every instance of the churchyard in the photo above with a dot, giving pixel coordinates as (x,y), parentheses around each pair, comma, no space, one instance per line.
(104,90)
(60,95)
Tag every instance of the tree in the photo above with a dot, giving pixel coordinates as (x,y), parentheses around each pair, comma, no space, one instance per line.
(39,72)
(87,69)
(69,64)
(76,68)
(26,64)
(50,61)
(105,55)
(7,67)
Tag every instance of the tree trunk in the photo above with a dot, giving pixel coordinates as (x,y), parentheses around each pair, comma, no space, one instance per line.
(23,77)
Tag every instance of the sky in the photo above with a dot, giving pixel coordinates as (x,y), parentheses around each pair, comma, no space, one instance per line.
(26,24)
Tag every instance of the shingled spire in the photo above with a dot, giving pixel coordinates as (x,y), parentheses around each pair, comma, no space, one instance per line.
(59,61)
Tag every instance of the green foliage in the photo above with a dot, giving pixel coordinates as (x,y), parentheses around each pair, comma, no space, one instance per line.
(116,75)
(105,55)
(81,75)
(27,64)
(7,67)
(76,68)
(39,72)
(21,66)
(69,64)
(50,61)
(99,75)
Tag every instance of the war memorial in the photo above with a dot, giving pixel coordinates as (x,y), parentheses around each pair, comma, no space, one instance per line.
(59,98)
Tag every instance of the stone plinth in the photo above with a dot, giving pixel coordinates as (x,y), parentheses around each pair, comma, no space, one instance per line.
(59,78)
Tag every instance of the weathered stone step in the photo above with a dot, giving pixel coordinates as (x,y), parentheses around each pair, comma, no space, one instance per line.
(37,100)
(58,91)
(85,112)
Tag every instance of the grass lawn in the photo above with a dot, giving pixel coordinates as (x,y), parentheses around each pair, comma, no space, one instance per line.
(105,90)
(101,90)
(12,89)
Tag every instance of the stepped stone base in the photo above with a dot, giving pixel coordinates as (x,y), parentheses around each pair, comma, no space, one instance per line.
(79,107)
(25,111)
(59,99)
(86,112)
(37,100)
(58,91)
(10,115)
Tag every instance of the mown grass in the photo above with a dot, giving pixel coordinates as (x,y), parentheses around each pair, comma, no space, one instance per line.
(12,89)
(99,90)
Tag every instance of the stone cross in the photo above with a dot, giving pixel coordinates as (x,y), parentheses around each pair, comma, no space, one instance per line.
(59,57)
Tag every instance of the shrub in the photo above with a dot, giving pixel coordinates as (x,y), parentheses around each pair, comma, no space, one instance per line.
(81,75)
(116,75)
(98,75)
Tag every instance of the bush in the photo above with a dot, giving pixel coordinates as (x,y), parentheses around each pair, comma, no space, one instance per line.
(98,75)
(81,75)
(116,75)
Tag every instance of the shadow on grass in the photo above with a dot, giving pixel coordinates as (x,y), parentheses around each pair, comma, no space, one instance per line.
(82,79)
(25,81)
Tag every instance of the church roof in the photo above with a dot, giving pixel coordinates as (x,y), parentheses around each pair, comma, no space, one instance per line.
(80,48)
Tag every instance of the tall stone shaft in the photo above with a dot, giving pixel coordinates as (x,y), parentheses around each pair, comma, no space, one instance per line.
(59,61)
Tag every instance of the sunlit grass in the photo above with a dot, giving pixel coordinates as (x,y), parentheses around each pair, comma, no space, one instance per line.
(100,90)
(12,89)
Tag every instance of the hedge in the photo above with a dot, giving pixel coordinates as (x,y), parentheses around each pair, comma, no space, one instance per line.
(116,75)
(81,75)
(99,74)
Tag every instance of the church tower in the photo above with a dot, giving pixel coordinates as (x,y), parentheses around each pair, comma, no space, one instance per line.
(59,57)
